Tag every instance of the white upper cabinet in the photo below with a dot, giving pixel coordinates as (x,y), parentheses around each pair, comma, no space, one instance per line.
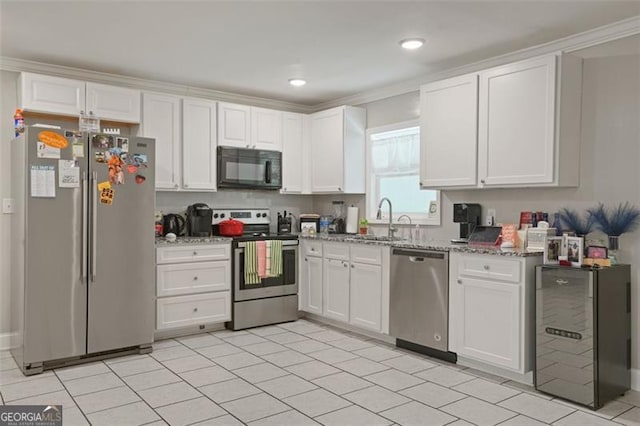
(198,144)
(292,153)
(449,133)
(42,93)
(338,150)
(113,103)
(234,125)
(517,116)
(244,126)
(161,121)
(528,126)
(63,96)
(266,129)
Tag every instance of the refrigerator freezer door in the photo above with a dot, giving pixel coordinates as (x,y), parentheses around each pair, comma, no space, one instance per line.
(565,334)
(122,258)
(54,291)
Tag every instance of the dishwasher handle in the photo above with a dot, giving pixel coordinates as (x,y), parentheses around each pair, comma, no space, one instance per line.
(420,255)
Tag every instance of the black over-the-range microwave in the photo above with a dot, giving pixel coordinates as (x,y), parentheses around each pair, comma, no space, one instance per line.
(249,168)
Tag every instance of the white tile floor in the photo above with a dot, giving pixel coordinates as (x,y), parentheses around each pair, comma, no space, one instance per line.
(292,374)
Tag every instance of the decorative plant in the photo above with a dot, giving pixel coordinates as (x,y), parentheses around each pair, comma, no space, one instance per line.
(364,223)
(572,220)
(616,221)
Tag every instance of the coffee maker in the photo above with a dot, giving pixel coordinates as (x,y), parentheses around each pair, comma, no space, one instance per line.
(468,216)
(338,223)
(199,219)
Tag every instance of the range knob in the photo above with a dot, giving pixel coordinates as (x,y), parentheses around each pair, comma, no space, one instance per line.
(264,215)
(215,215)
(222,215)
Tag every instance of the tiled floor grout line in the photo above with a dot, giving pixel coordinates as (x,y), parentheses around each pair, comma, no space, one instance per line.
(136,393)
(71,396)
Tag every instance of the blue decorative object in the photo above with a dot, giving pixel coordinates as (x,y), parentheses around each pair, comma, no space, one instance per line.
(617,221)
(573,221)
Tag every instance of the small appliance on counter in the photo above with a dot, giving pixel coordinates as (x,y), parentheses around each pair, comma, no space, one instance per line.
(338,223)
(285,223)
(199,218)
(468,216)
(309,223)
(173,224)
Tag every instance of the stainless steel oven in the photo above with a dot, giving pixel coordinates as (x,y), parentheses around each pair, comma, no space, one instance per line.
(249,168)
(282,285)
(274,299)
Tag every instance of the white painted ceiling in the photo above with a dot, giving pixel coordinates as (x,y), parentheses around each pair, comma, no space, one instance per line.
(253,47)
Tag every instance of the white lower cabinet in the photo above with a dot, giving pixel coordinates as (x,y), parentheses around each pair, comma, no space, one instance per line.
(311,284)
(365,308)
(335,274)
(193,285)
(490,317)
(488,328)
(336,286)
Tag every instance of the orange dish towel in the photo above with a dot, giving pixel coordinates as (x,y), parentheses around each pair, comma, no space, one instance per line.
(262,258)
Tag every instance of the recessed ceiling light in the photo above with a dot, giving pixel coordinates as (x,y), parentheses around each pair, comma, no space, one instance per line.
(411,43)
(297,82)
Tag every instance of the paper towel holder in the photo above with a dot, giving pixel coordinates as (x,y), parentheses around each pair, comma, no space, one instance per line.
(352,220)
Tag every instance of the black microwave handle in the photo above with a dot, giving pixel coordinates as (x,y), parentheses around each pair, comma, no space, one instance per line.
(267,172)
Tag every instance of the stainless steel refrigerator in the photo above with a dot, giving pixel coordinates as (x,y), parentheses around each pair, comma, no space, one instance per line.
(83,256)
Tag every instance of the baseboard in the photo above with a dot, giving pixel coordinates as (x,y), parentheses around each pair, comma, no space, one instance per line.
(635,379)
(5,341)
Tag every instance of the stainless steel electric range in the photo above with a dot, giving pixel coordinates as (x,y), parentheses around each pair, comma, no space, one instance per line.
(274,299)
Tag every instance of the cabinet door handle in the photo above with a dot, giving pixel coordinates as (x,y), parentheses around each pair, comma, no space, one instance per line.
(486,267)
(339,189)
(185,185)
(248,146)
(459,281)
(353,266)
(344,264)
(195,253)
(306,260)
(195,309)
(482,181)
(195,278)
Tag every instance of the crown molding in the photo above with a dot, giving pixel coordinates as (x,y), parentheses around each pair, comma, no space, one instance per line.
(22,65)
(569,44)
(572,43)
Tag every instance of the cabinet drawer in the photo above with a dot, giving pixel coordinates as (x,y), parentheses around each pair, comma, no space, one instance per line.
(189,278)
(362,253)
(312,248)
(195,253)
(336,251)
(490,267)
(181,311)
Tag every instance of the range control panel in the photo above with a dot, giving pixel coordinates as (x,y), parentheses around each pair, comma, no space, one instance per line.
(247,216)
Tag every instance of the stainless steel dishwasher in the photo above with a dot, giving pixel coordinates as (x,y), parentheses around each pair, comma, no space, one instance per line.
(419,313)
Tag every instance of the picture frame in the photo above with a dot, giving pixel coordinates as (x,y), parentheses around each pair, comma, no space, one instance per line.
(597,252)
(575,250)
(552,250)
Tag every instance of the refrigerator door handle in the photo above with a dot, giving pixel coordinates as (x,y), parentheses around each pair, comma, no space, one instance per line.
(94,224)
(85,225)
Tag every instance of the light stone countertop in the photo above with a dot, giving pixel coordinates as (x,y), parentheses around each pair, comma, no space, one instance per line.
(161,241)
(428,245)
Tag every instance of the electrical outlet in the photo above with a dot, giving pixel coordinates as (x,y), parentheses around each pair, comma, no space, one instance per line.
(490,218)
(7,205)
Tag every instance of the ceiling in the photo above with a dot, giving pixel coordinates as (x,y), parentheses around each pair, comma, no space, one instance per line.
(254,47)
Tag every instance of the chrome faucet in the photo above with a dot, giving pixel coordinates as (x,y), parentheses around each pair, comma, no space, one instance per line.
(404,215)
(379,216)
